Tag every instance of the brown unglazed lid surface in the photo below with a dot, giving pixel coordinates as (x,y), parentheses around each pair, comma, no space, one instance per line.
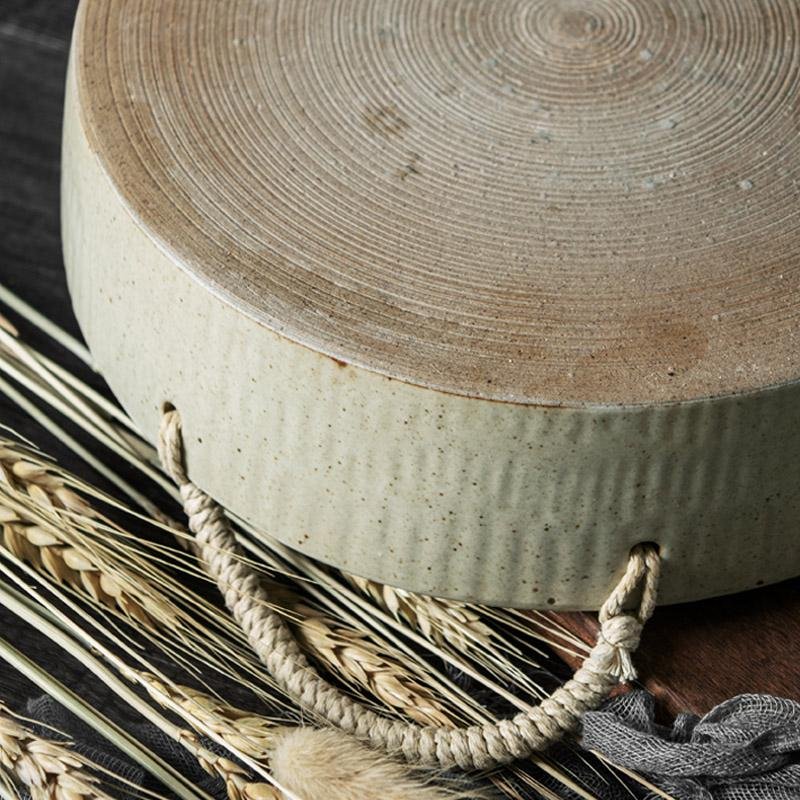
(566,203)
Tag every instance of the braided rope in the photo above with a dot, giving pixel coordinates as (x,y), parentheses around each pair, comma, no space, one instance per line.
(476,746)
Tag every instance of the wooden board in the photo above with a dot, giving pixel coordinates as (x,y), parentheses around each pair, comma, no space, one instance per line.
(697,655)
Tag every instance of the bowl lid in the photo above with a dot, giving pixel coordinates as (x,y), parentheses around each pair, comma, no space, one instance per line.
(564,203)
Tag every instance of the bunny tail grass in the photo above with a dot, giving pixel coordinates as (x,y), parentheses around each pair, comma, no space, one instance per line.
(319,764)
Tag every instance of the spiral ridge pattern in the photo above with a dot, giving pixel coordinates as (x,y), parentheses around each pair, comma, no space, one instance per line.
(565,202)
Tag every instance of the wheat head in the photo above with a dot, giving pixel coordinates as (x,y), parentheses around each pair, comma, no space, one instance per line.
(50,526)
(439,620)
(352,655)
(245,732)
(48,770)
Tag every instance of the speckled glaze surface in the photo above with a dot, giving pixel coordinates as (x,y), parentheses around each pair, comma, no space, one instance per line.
(505,434)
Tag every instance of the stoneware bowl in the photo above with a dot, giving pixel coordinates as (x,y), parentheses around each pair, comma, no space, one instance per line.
(464,296)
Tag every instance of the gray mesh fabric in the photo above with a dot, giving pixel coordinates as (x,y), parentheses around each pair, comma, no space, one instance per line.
(747,748)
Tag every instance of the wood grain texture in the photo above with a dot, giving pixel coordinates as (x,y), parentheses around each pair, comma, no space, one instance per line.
(558,203)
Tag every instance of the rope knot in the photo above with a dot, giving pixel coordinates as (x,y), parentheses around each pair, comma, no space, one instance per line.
(622,631)
(618,638)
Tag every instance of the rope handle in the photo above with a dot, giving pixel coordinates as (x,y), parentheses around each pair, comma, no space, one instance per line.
(474,747)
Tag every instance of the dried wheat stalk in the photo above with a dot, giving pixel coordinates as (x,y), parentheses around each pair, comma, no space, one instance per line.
(439,620)
(49,770)
(244,731)
(47,524)
(351,654)
(313,764)
(39,514)
(247,733)
(455,626)
(239,785)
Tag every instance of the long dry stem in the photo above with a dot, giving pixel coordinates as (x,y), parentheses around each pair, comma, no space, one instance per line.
(244,732)
(47,524)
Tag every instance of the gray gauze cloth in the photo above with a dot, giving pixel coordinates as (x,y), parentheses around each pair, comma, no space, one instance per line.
(747,748)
